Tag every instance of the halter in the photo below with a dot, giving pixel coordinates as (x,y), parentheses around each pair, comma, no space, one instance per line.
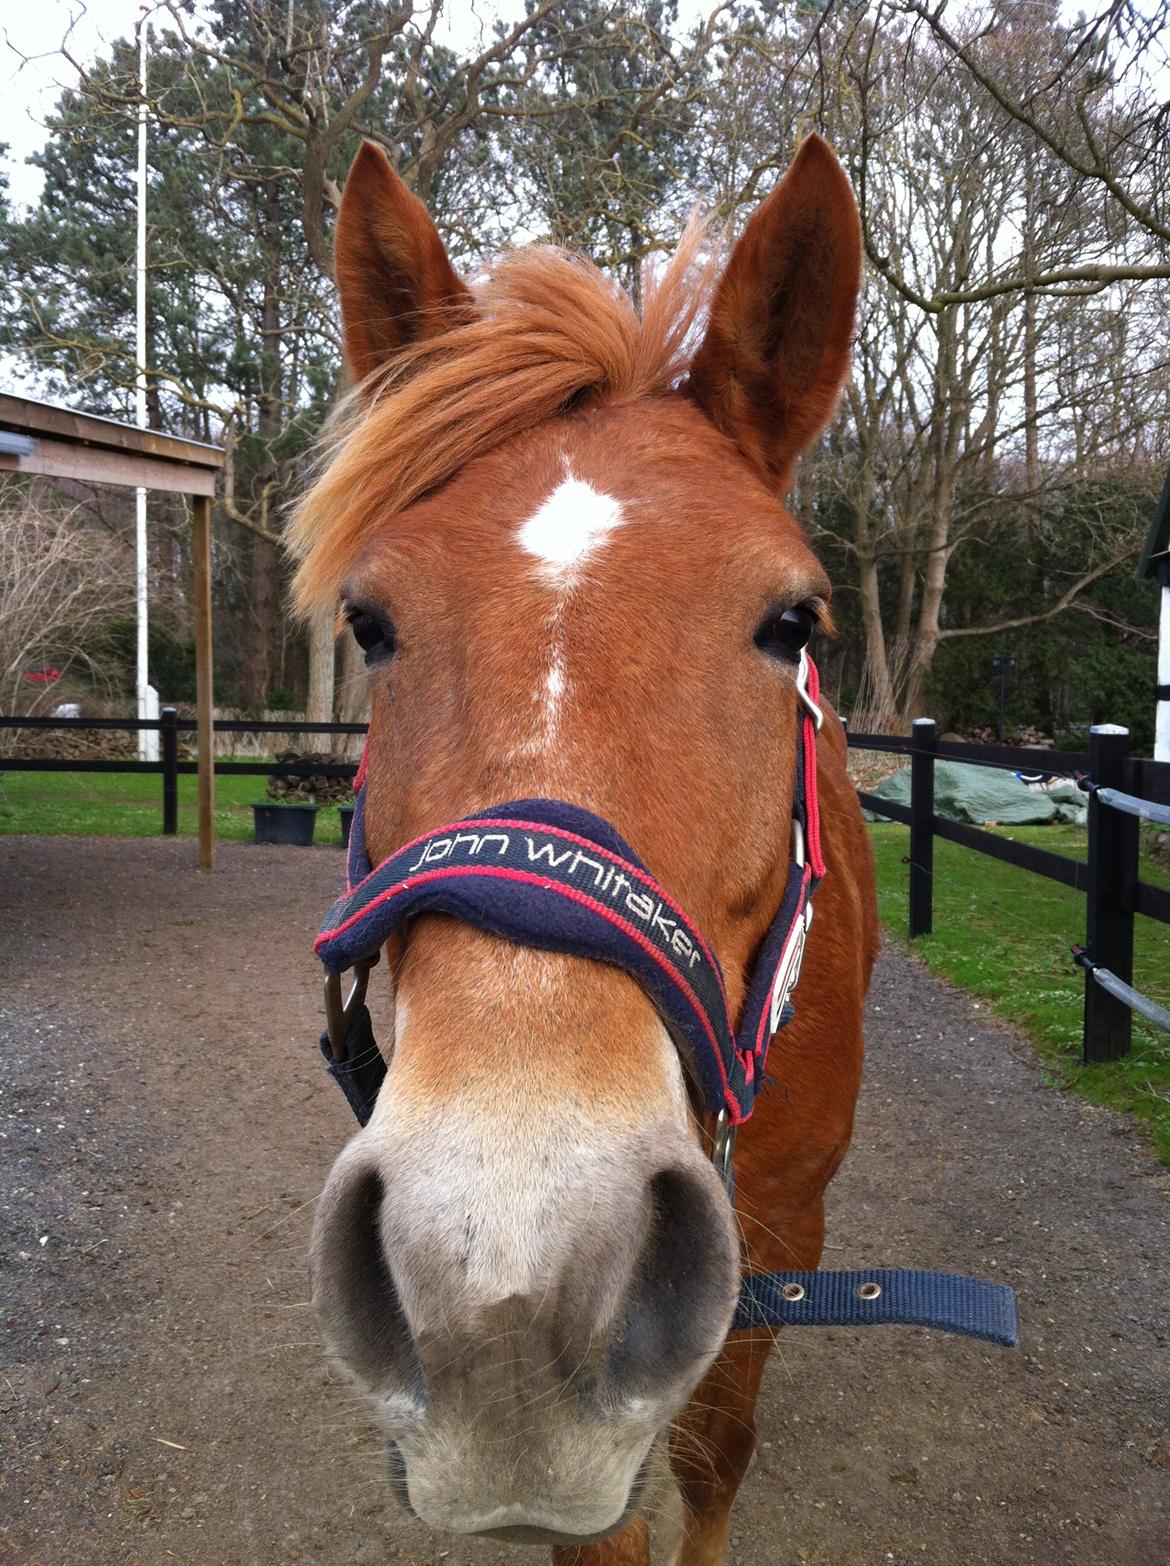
(548,874)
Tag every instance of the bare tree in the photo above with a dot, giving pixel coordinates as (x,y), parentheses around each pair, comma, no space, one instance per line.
(61,583)
(982,391)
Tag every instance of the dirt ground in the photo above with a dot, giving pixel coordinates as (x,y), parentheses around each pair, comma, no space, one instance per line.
(165,1126)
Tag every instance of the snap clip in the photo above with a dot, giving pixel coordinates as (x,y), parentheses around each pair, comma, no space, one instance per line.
(803,694)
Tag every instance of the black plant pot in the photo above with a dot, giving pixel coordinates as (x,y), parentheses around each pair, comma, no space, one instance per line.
(346,814)
(285,823)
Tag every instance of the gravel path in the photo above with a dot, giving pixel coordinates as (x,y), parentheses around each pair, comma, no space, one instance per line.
(164,1129)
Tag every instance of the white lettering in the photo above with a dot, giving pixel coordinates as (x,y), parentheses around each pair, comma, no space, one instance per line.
(547,853)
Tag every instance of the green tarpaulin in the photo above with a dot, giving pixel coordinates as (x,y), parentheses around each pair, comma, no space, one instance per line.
(984,796)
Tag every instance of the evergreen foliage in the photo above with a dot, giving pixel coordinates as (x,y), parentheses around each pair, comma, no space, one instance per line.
(1006,428)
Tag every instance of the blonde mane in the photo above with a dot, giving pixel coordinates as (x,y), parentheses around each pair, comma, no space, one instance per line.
(549,329)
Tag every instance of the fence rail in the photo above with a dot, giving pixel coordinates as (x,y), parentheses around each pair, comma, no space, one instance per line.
(169,767)
(185,725)
(1121,791)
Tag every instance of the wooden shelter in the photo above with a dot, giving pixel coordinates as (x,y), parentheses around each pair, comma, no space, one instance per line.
(41,438)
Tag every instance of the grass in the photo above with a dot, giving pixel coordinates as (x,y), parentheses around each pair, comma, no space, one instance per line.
(1000,933)
(1004,935)
(129,804)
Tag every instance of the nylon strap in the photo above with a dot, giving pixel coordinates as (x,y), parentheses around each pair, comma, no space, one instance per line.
(884,1296)
(548,874)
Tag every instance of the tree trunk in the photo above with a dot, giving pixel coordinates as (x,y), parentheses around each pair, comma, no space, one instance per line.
(876,660)
(353,697)
(319,707)
(264,619)
(263,593)
(948,419)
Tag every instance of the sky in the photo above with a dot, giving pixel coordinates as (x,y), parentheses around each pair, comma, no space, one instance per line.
(32,73)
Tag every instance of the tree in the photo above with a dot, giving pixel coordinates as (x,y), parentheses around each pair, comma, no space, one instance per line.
(255,113)
(1010,177)
(61,585)
(973,407)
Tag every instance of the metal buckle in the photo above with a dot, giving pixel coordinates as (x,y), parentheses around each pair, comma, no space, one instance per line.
(339,1012)
(806,700)
(722,1149)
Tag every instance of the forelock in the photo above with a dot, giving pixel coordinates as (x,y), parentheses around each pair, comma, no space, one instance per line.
(550,332)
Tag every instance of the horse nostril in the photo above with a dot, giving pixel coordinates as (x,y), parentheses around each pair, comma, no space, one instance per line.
(396,1475)
(678,1304)
(354,1290)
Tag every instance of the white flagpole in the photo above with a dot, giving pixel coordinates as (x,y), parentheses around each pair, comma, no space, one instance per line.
(147,742)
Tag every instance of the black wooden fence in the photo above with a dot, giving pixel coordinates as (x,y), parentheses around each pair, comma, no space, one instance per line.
(1120,790)
(169,766)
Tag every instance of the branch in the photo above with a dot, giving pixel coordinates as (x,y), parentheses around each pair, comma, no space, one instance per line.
(1064,602)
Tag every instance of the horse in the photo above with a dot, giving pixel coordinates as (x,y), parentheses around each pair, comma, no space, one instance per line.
(554,523)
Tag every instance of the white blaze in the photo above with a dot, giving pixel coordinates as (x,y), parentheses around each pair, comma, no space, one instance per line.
(567,527)
(554,689)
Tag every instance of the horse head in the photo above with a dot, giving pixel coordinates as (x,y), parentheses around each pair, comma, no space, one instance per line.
(552,522)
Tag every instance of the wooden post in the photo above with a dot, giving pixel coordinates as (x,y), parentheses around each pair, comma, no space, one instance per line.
(922,827)
(1162,689)
(170,765)
(1111,871)
(204,737)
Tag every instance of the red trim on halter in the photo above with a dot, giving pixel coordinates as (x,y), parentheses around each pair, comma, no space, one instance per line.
(500,873)
(811,796)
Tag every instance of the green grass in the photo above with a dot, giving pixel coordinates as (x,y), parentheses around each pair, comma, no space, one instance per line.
(1004,935)
(129,804)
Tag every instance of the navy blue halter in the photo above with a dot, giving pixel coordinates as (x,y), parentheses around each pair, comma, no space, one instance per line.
(548,874)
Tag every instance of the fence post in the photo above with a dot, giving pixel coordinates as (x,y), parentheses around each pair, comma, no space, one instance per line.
(169,735)
(922,750)
(1111,873)
(204,697)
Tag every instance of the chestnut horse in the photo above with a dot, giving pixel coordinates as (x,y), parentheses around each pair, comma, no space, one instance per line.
(554,525)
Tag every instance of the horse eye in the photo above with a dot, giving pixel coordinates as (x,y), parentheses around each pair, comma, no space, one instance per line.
(373,635)
(785,635)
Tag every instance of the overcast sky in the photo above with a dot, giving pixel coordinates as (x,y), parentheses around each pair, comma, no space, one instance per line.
(33,32)
(32,73)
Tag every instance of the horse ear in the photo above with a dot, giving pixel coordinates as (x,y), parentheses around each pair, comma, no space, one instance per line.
(771,366)
(394,277)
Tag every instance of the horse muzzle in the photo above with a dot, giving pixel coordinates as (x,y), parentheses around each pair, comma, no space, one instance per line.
(524,1322)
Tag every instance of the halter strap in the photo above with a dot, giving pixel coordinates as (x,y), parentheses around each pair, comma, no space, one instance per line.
(551,875)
